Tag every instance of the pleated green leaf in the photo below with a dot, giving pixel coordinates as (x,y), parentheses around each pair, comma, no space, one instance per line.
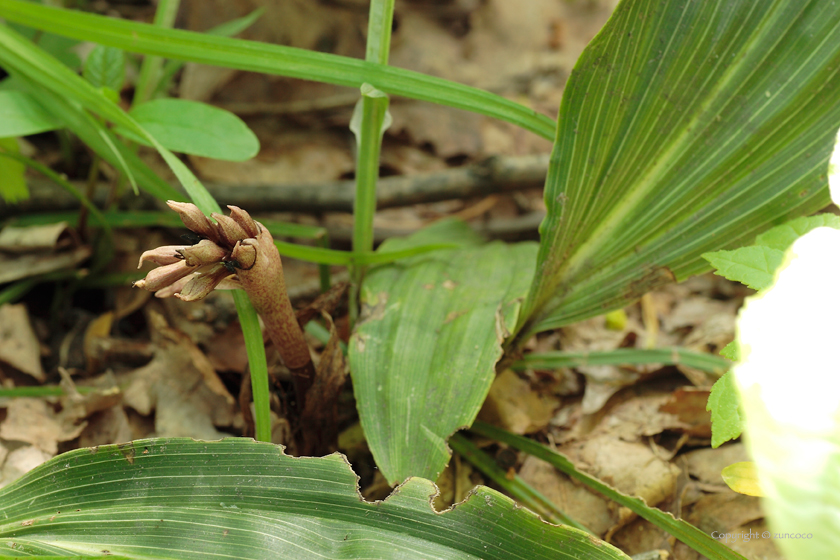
(685,127)
(271,59)
(423,354)
(194,128)
(236,498)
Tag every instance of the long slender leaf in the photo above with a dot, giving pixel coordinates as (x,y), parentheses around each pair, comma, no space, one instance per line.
(271,59)
(255,349)
(671,356)
(226,29)
(685,127)
(515,486)
(682,530)
(424,351)
(236,498)
(34,65)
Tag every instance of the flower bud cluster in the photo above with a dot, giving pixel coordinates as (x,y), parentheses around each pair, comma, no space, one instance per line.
(234,252)
(191,272)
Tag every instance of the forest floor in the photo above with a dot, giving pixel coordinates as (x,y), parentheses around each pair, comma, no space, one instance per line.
(643,429)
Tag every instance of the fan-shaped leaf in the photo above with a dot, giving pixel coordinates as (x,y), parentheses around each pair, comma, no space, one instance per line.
(685,127)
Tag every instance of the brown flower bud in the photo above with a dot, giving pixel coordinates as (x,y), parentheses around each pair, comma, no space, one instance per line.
(203,252)
(195,219)
(229,231)
(168,254)
(202,283)
(245,220)
(230,283)
(173,288)
(245,253)
(164,276)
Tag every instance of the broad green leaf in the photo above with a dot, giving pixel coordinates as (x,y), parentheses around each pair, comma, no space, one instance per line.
(725,406)
(685,127)
(13,183)
(271,59)
(236,498)
(424,351)
(22,115)
(194,128)
(753,266)
(105,68)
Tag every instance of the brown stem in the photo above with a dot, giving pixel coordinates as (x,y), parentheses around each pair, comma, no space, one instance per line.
(266,287)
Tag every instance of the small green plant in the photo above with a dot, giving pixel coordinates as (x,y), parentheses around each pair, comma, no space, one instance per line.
(685,128)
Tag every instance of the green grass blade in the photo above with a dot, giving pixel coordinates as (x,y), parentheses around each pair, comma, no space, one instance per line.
(151,70)
(682,530)
(92,133)
(250,323)
(321,255)
(625,356)
(515,487)
(66,185)
(227,29)
(272,59)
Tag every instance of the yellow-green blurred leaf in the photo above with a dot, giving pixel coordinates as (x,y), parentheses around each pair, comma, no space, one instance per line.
(743,478)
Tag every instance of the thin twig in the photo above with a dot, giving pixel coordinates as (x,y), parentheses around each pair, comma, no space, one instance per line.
(489,176)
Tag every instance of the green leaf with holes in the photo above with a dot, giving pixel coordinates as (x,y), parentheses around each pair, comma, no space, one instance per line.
(236,498)
(685,128)
(424,351)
